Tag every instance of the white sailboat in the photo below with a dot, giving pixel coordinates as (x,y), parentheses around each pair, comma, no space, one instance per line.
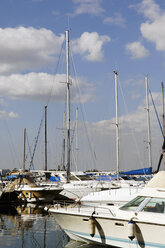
(126,188)
(75,189)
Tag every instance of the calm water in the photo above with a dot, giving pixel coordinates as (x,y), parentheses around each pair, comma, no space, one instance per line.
(29,226)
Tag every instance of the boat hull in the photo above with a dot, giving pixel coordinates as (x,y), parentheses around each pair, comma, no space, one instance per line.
(111,231)
(39,196)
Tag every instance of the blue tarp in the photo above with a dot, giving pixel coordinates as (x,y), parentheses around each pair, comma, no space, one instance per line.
(11,177)
(55,179)
(144,171)
(16,176)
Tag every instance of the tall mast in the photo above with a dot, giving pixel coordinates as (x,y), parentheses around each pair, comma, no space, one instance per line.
(76,139)
(45,138)
(163,121)
(63,143)
(148,123)
(162,86)
(117,126)
(68,105)
(24,153)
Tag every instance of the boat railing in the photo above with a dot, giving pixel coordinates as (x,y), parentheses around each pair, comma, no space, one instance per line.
(78,207)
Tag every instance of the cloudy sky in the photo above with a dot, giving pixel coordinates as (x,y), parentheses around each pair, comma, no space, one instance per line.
(105,35)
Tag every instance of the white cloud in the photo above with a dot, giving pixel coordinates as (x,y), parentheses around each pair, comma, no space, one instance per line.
(136,120)
(137,50)
(90,46)
(5,115)
(27,48)
(40,86)
(133,152)
(13,115)
(117,20)
(92,7)
(150,9)
(153,29)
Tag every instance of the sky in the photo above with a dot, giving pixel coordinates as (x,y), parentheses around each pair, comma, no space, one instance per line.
(105,35)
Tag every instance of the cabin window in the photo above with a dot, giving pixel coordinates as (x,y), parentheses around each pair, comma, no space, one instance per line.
(156,205)
(133,205)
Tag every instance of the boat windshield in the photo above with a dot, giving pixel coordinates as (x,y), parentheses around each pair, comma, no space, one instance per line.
(145,204)
(134,204)
(156,205)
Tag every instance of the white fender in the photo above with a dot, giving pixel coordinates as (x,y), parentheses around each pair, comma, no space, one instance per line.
(131,229)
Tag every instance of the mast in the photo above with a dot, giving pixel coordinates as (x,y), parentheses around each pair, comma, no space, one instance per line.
(117,126)
(76,139)
(24,153)
(63,143)
(148,122)
(45,138)
(162,86)
(68,105)
(163,121)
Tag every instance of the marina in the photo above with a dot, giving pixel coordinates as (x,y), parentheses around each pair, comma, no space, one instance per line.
(63,208)
(82,124)
(72,224)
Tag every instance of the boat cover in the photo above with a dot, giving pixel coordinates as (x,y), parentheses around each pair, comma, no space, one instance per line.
(158,181)
(144,171)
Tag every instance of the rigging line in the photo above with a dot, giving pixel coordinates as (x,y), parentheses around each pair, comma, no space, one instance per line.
(132,132)
(30,152)
(161,129)
(36,141)
(11,145)
(48,100)
(58,62)
(83,112)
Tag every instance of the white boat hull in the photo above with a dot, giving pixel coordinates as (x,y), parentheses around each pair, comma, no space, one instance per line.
(112,231)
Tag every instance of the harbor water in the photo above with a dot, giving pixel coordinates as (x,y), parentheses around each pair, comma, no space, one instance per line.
(29,226)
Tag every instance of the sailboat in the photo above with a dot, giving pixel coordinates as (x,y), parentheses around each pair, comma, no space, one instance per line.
(75,189)
(126,189)
(24,189)
(23,186)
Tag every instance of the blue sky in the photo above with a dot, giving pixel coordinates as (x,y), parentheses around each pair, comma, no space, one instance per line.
(105,35)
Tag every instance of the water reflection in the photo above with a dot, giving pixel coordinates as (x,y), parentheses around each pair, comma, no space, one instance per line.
(29,226)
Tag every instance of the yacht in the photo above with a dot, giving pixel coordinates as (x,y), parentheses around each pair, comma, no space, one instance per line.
(113,196)
(138,223)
